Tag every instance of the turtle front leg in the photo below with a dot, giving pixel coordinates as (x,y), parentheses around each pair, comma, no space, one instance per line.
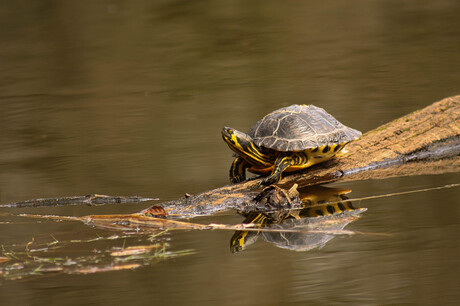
(281,164)
(238,170)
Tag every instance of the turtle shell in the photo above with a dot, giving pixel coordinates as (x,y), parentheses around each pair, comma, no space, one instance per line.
(300,127)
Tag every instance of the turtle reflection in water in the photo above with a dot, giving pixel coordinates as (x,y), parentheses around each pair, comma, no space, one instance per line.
(315,214)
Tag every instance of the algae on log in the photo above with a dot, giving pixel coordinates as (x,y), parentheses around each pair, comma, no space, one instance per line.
(426,141)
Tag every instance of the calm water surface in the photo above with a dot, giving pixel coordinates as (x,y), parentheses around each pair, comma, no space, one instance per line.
(129,98)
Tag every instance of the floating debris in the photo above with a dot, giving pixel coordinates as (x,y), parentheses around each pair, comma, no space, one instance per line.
(91,270)
(136,250)
(4,259)
(83,256)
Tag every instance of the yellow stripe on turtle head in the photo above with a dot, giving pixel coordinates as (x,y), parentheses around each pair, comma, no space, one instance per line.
(244,146)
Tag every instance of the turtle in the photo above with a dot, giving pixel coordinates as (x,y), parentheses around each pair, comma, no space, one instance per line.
(289,139)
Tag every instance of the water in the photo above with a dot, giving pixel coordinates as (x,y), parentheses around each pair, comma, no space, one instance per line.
(123,99)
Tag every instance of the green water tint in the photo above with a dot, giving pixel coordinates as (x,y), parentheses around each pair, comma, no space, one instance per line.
(323,211)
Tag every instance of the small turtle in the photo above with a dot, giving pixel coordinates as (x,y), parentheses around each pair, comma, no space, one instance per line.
(289,139)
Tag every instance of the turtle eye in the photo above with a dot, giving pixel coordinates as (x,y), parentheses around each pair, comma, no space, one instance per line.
(227,130)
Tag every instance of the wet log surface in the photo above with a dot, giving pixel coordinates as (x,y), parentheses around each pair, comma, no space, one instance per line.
(426,141)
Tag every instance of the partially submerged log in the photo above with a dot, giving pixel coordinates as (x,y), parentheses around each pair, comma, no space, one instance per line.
(91,199)
(426,141)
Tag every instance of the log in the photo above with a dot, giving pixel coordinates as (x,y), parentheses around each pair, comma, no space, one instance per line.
(91,199)
(426,141)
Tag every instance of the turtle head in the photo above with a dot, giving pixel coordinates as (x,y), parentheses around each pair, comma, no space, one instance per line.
(237,141)
(245,147)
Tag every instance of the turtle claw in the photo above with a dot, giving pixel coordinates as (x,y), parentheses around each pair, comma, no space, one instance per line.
(263,184)
(237,179)
(269,180)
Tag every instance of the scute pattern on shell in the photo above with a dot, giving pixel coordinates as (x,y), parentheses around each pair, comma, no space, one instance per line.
(300,127)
